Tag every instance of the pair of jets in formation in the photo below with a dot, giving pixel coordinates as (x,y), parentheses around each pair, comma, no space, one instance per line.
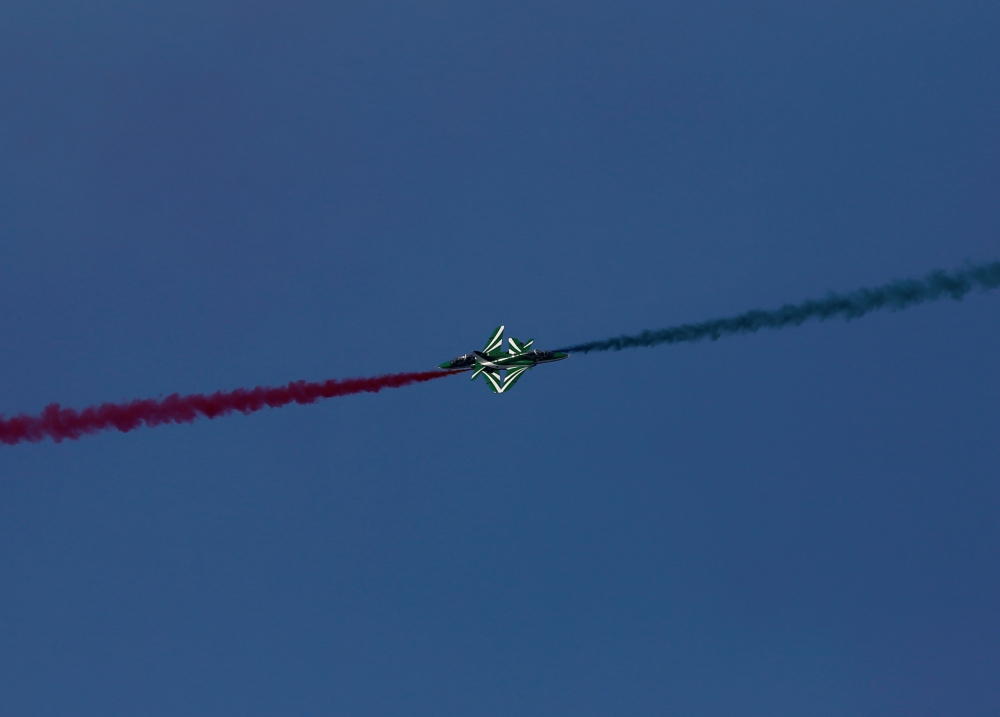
(492,360)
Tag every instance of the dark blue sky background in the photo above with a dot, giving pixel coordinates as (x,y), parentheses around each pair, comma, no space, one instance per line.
(204,195)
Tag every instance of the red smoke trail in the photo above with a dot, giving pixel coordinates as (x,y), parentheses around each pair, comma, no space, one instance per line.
(58,423)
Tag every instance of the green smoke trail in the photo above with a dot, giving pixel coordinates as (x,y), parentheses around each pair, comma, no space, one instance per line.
(897,295)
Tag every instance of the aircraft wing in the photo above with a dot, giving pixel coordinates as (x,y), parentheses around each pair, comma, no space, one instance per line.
(493,345)
(491,376)
(495,382)
(512,376)
(517,346)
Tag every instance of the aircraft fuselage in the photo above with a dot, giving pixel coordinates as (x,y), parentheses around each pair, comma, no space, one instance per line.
(528,358)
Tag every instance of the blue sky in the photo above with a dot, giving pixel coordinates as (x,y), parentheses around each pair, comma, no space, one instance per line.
(202,196)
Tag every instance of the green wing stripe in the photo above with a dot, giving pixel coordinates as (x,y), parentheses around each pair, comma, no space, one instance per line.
(494,380)
(517,346)
(495,340)
(512,376)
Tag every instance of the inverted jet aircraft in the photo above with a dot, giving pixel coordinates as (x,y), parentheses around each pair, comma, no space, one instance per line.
(493,360)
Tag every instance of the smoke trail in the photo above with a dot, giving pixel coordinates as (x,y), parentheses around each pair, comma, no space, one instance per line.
(58,423)
(896,295)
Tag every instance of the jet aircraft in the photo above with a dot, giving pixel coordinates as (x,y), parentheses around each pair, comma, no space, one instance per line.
(493,359)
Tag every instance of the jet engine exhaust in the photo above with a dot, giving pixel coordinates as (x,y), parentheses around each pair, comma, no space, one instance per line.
(895,296)
(60,423)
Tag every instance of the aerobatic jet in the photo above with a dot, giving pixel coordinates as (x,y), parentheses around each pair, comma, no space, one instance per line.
(492,360)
